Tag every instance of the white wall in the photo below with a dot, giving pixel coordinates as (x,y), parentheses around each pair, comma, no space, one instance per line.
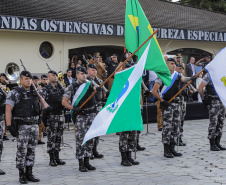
(16,45)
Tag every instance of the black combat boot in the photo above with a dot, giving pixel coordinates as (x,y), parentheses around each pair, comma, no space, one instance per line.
(92,157)
(173,151)
(217,141)
(58,160)
(125,161)
(131,160)
(139,148)
(82,167)
(87,165)
(213,146)
(30,176)
(167,152)
(52,161)
(22,176)
(96,154)
(2,172)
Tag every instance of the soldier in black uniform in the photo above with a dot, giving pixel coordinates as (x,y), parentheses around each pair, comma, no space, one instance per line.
(82,89)
(53,94)
(112,63)
(24,108)
(171,112)
(216,113)
(2,123)
(99,96)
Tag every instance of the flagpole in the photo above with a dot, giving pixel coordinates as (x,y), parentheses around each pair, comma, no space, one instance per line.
(119,67)
(185,86)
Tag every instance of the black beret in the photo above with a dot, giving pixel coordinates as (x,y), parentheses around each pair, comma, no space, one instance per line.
(53,72)
(179,65)
(208,56)
(35,77)
(82,69)
(114,55)
(171,59)
(26,73)
(3,74)
(92,66)
(43,76)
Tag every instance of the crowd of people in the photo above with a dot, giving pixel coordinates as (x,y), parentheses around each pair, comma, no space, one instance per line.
(38,105)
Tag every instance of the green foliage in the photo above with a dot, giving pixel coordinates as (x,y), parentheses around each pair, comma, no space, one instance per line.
(213,5)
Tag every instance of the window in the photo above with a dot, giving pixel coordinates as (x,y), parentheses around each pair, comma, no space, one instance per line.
(46,50)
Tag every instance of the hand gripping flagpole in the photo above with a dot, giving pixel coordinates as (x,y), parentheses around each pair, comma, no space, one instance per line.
(119,67)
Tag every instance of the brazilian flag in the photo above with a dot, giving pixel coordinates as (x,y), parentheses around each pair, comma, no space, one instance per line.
(137,30)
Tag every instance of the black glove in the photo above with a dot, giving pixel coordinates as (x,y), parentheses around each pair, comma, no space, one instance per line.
(98,89)
(164,104)
(107,94)
(193,78)
(12,130)
(206,102)
(76,109)
(48,110)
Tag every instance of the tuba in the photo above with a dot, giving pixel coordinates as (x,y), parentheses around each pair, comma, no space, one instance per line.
(12,71)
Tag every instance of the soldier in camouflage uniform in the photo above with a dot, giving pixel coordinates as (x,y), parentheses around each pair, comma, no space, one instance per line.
(171,112)
(92,76)
(53,94)
(84,116)
(24,108)
(2,124)
(216,113)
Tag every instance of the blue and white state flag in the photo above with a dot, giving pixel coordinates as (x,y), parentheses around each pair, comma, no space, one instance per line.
(217,71)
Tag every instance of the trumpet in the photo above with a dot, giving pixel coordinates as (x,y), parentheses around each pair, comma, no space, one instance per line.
(5,90)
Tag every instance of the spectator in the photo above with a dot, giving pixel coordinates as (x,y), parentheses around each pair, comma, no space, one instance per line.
(204,61)
(112,63)
(198,82)
(190,69)
(179,61)
(151,82)
(73,69)
(68,80)
(101,72)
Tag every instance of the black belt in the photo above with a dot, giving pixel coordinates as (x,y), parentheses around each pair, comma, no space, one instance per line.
(88,110)
(20,122)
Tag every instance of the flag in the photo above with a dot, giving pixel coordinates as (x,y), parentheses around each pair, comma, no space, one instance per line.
(122,110)
(137,30)
(217,71)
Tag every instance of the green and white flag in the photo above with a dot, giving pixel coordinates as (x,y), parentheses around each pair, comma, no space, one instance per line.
(122,110)
(79,94)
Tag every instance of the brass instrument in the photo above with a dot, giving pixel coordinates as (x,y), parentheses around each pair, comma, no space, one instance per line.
(3,91)
(12,72)
(61,79)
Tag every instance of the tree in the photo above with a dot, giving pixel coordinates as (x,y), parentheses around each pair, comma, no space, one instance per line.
(213,5)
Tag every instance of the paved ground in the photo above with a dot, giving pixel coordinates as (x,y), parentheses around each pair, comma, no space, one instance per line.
(198,165)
